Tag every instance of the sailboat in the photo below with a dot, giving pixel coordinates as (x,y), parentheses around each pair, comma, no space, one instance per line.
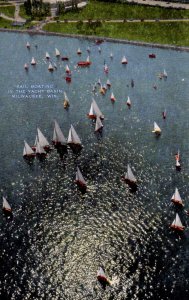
(50,67)
(66,101)
(111,55)
(178,165)
(164,74)
(106,69)
(57,52)
(102,90)
(164,114)
(40,151)
(102,278)
(128,102)
(108,83)
(91,114)
(67,70)
(177,225)
(96,111)
(99,82)
(6,207)
(28,45)
(79,51)
(26,67)
(42,141)
(129,177)
(73,139)
(177,155)
(124,61)
(58,136)
(88,49)
(98,125)
(80,181)
(176,198)
(86,63)
(47,55)
(112,97)
(157,129)
(28,151)
(99,49)
(33,61)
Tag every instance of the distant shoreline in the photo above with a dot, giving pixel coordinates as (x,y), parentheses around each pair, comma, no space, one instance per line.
(107,39)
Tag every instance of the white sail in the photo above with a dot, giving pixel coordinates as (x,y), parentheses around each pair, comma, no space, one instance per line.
(101,273)
(73,137)
(42,139)
(78,51)
(156,128)
(6,205)
(36,140)
(50,68)
(106,68)
(164,73)
(99,49)
(99,81)
(88,59)
(176,196)
(128,101)
(57,52)
(129,175)
(177,163)
(88,49)
(108,83)
(124,60)
(177,222)
(28,45)
(111,55)
(97,110)
(66,97)
(33,62)
(91,112)
(98,124)
(67,69)
(27,149)
(58,135)
(47,55)
(112,97)
(40,149)
(79,177)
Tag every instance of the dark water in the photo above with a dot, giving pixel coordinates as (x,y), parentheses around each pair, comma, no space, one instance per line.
(58,237)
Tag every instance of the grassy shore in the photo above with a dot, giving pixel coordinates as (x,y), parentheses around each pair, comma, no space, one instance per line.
(8,11)
(113,11)
(176,33)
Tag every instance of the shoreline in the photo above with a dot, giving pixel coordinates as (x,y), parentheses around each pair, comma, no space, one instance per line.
(106,39)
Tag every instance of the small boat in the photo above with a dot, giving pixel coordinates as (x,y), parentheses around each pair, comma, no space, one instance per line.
(102,278)
(86,63)
(164,114)
(177,225)
(26,67)
(108,83)
(58,136)
(129,177)
(132,83)
(79,51)
(102,90)
(99,50)
(128,102)
(91,114)
(47,55)
(106,69)
(95,111)
(40,151)
(42,141)
(99,41)
(64,58)
(57,52)
(177,155)
(112,97)
(73,139)
(88,49)
(28,45)
(67,70)
(99,82)
(152,55)
(111,55)
(66,101)
(68,79)
(33,61)
(80,181)
(50,67)
(176,198)
(6,207)
(157,129)
(124,61)
(164,74)
(178,165)
(98,125)
(28,151)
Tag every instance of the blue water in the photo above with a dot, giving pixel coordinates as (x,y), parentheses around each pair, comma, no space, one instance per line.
(58,237)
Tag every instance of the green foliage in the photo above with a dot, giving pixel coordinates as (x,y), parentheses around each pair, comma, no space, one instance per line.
(36,8)
(60,8)
(8,11)
(28,7)
(173,33)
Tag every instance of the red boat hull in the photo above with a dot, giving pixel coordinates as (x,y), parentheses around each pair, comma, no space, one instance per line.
(84,63)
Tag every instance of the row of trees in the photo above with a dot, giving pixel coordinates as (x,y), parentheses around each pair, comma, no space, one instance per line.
(37,8)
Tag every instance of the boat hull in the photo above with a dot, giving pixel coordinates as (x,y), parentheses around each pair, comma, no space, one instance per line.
(177,228)
(152,55)
(84,63)
(177,203)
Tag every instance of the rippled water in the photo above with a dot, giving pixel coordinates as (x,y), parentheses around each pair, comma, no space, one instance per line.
(59,237)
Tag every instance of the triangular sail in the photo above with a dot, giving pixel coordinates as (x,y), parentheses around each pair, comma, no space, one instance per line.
(101,273)
(79,177)
(176,196)
(47,55)
(50,68)
(57,52)
(58,134)
(6,205)
(27,149)
(128,101)
(156,128)
(91,112)
(40,149)
(98,124)
(88,59)
(42,139)
(124,60)
(73,137)
(129,175)
(66,97)
(177,222)
(97,110)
